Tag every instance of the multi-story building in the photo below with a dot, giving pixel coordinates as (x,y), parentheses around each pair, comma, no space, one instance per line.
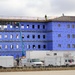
(20,35)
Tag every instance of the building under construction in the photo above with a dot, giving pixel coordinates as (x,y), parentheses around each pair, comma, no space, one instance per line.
(17,35)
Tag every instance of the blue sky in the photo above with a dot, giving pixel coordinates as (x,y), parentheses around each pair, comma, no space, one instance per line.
(37,8)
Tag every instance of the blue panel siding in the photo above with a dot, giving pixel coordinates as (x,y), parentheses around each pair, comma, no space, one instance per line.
(37,36)
(63,35)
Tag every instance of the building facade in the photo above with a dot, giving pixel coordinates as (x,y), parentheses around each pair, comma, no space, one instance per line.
(17,35)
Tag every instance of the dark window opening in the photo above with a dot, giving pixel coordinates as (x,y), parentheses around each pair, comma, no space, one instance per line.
(39,36)
(33,46)
(33,36)
(55,53)
(73,35)
(59,25)
(0,46)
(28,46)
(32,26)
(65,60)
(68,35)
(73,45)
(27,36)
(44,36)
(44,46)
(22,36)
(17,36)
(38,26)
(39,46)
(59,35)
(68,26)
(59,45)
(73,26)
(68,45)
(43,26)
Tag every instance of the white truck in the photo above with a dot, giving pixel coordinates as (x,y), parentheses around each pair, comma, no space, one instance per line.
(59,61)
(6,61)
(31,62)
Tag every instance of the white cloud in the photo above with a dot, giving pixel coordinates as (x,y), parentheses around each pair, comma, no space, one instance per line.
(36,7)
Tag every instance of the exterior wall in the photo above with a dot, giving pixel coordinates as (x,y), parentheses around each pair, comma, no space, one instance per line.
(63,36)
(43,36)
(36,36)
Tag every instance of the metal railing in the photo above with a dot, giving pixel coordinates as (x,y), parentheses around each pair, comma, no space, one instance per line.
(26,17)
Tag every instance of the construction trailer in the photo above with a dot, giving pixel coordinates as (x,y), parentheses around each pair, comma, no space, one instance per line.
(6,61)
(37,54)
(59,61)
(54,58)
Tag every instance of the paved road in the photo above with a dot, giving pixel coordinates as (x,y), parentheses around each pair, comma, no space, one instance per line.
(69,72)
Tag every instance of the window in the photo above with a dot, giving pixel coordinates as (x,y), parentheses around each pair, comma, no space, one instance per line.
(38,26)
(0,26)
(68,26)
(68,35)
(28,46)
(17,36)
(0,36)
(59,25)
(0,46)
(22,26)
(33,46)
(65,60)
(11,26)
(73,26)
(73,45)
(22,36)
(59,35)
(17,46)
(38,46)
(11,46)
(55,53)
(68,45)
(44,27)
(11,36)
(5,26)
(5,36)
(73,35)
(6,46)
(39,36)
(44,36)
(59,45)
(27,26)
(44,46)
(33,26)
(17,26)
(27,36)
(33,36)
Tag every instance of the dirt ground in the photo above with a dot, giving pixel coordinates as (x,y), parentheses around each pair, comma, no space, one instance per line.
(67,72)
